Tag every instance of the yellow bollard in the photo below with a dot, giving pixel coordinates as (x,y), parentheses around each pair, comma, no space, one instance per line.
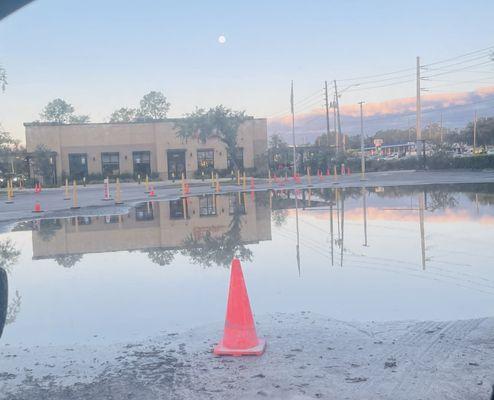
(118,193)
(244,183)
(75,204)
(10,192)
(67,195)
(335,175)
(238,177)
(146,183)
(183,183)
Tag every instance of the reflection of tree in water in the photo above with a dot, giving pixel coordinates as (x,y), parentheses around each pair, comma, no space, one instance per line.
(439,200)
(210,250)
(160,256)
(8,257)
(48,228)
(279,217)
(68,260)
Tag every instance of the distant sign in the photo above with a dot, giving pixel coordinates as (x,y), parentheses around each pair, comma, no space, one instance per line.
(378,142)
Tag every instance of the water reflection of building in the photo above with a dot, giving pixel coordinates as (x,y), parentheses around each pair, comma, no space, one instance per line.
(151,225)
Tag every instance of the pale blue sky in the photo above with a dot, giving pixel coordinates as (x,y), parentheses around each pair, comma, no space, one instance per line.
(101,55)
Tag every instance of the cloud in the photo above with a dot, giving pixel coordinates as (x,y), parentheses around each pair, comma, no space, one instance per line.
(399,106)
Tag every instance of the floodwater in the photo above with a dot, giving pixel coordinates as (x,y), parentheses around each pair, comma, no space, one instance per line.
(378,254)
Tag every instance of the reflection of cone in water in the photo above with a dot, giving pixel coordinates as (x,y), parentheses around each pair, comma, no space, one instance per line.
(37,207)
(240,336)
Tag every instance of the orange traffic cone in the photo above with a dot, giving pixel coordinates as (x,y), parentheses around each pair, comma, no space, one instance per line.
(239,338)
(37,207)
(151,192)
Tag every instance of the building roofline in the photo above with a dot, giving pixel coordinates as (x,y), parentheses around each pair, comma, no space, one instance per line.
(115,123)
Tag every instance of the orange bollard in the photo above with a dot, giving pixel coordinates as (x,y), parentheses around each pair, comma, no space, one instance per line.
(328,173)
(240,337)
(252,184)
(348,172)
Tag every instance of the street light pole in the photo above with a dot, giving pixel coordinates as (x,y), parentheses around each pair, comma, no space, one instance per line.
(362,155)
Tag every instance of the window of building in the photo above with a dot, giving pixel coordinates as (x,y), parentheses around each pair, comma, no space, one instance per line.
(207,205)
(110,164)
(236,204)
(144,212)
(142,163)
(240,159)
(205,159)
(177,209)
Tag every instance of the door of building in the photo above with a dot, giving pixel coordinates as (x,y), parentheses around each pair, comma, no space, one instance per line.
(142,163)
(176,164)
(78,165)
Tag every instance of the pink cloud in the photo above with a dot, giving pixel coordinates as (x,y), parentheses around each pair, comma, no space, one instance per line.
(399,106)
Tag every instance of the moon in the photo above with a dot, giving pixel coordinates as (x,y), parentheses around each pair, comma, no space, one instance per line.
(221,39)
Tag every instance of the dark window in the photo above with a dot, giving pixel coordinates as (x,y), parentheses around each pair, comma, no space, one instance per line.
(110,164)
(240,159)
(205,159)
(142,163)
(236,204)
(111,219)
(144,212)
(81,221)
(207,205)
(78,165)
(177,209)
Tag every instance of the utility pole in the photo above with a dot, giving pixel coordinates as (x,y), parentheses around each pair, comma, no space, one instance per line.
(362,155)
(418,125)
(327,114)
(337,141)
(293,133)
(474,131)
(338,114)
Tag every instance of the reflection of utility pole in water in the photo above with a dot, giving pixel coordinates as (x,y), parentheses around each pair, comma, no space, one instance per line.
(337,201)
(342,224)
(421,222)
(331,229)
(298,235)
(364,206)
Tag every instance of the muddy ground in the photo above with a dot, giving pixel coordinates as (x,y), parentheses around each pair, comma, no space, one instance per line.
(308,356)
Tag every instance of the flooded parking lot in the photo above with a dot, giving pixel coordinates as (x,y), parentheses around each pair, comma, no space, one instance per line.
(375,259)
(389,254)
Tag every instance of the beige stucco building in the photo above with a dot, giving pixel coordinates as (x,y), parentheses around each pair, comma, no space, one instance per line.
(112,149)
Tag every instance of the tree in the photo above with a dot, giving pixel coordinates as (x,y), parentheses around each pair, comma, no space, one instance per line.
(124,114)
(7,142)
(154,106)
(58,111)
(218,122)
(41,162)
(276,142)
(79,119)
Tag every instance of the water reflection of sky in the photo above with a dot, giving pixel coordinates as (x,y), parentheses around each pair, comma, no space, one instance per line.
(438,269)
